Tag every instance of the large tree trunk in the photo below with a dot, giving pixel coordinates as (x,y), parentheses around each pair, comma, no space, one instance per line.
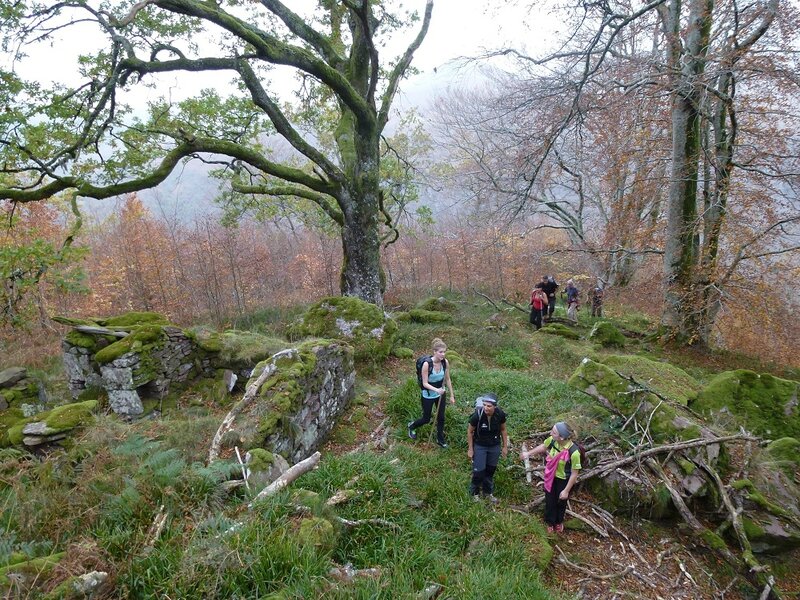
(361,268)
(682,241)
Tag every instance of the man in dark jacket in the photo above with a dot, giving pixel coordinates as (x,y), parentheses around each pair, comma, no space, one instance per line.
(549,287)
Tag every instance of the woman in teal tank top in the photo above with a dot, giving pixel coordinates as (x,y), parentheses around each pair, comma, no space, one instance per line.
(435,381)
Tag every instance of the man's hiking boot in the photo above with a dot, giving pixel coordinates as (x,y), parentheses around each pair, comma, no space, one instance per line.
(411,433)
(560,528)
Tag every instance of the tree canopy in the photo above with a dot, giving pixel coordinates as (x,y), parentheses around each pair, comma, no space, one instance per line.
(88,139)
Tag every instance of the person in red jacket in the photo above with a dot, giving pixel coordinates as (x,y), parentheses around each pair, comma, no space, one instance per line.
(538,306)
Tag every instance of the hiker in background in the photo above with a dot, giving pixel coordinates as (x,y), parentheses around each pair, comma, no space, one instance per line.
(572,301)
(562,463)
(538,306)
(434,381)
(549,287)
(487,428)
(596,298)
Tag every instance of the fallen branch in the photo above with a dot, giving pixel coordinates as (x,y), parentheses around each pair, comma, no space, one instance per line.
(604,468)
(358,523)
(159,521)
(563,559)
(249,395)
(304,466)
(100,331)
(489,300)
(600,531)
(347,573)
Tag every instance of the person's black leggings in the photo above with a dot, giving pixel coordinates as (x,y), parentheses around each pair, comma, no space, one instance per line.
(427,409)
(555,509)
(551,305)
(536,317)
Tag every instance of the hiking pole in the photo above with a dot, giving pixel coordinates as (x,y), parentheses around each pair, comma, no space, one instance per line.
(526,460)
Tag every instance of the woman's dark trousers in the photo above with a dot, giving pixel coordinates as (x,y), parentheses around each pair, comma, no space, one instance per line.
(427,409)
(484,464)
(555,509)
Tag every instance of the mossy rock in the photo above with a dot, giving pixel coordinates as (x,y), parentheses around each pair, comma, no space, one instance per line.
(785,455)
(662,377)
(134,319)
(418,315)
(605,334)
(81,340)
(35,568)
(666,424)
(361,324)
(764,404)
(260,460)
(561,330)
(402,352)
(58,420)
(140,340)
(438,305)
(317,532)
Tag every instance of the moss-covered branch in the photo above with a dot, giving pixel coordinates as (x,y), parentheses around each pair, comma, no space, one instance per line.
(290,190)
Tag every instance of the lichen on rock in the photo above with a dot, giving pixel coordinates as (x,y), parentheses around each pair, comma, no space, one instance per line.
(364,326)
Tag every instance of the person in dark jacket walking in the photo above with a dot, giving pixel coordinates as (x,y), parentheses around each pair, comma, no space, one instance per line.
(549,287)
(486,431)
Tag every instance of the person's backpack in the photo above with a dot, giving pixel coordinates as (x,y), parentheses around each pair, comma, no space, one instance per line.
(568,463)
(421,361)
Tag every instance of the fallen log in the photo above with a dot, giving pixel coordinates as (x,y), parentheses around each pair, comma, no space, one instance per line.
(304,466)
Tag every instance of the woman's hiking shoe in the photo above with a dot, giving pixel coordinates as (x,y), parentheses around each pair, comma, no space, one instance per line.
(441,443)
(411,433)
(476,498)
(560,528)
(550,529)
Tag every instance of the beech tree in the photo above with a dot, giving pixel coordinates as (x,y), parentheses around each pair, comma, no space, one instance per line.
(84,138)
(725,74)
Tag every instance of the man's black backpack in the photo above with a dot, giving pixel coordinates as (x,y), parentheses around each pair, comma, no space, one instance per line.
(421,361)
(572,448)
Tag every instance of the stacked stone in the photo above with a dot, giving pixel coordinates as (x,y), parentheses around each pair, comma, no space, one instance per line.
(20,392)
(81,370)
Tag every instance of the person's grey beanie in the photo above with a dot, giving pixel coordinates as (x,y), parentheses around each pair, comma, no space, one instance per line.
(563,429)
(481,400)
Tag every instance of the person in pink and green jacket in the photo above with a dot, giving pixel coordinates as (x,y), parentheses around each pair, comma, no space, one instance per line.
(562,464)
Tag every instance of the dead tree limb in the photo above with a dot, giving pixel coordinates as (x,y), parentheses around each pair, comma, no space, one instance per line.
(100,331)
(304,466)
(756,578)
(159,521)
(588,572)
(599,530)
(604,468)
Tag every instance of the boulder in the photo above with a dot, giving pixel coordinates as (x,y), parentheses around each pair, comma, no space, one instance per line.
(52,425)
(561,330)
(762,403)
(439,304)
(297,406)
(12,375)
(363,326)
(605,334)
(661,377)
(418,315)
